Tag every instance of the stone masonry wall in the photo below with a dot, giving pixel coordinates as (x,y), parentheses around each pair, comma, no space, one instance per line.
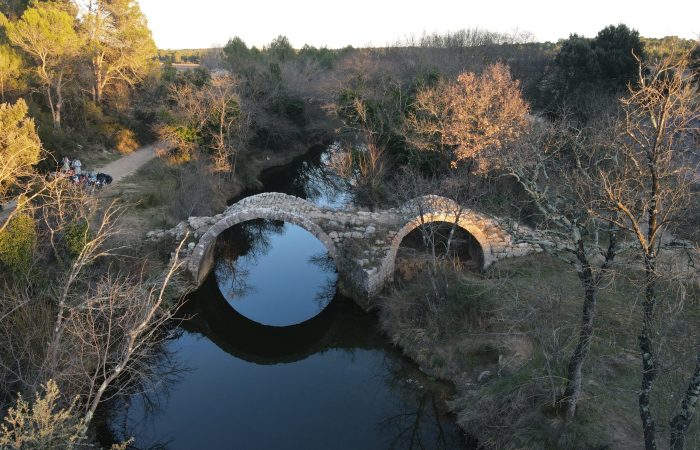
(362,243)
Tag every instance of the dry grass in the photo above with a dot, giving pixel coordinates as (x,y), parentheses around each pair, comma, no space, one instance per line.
(163,194)
(519,322)
(94,157)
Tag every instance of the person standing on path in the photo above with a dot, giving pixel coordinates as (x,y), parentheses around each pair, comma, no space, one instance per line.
(65,168)
(77,166)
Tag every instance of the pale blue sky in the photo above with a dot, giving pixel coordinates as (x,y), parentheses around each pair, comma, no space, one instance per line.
(203,23)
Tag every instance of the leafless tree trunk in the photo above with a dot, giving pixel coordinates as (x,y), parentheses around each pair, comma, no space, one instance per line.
(132,314)
(648,187)
(554,166)
(681,421)
(231,123)
(90,327)
(590,280)
(65,207)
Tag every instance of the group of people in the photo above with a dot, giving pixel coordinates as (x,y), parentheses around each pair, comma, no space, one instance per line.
(73,169)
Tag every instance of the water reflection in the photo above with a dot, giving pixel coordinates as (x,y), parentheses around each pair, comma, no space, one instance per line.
(274,273)
(339,386)
(148,394)
(255,342)
(330,381)
(307,176)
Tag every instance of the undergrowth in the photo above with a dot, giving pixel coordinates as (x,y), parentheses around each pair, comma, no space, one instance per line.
(504,339)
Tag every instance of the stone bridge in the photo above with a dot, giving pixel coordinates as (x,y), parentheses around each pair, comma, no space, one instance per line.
(362,243)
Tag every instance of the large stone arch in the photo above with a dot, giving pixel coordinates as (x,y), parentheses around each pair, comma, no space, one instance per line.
(202,259)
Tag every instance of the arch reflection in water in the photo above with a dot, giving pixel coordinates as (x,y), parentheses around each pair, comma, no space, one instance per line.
(274,273)
(334,381)
(262,344)
(366,396)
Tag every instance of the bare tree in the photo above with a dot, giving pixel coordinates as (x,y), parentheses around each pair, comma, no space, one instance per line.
(117,329)
(72,231)
(210,116)
(651,182)
(463,119)
(229,123)
(183,132)
(83,325)
(89,248)
(554,164)
(368,116)
(433,201)
(112,336)
(683,418)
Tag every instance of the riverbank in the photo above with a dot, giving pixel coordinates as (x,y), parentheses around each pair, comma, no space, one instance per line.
(504,339)
(358,391)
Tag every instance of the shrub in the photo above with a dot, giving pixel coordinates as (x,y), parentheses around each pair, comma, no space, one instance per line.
(77,235)
(469,301)
(17,243)
(125,141)
(42,424)
(289,107)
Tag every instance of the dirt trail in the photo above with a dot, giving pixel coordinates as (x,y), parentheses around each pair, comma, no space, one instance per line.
(122,167)
(128,164)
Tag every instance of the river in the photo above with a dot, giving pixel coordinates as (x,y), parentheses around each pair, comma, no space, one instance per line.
(271,356)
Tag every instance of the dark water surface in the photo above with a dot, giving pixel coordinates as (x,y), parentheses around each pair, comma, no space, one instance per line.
(275,358)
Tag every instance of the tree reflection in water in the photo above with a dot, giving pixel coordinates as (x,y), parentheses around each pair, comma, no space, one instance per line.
(424,422)
(249,240)
(311,179)
(163,370)
(268,271)
(359,392)
(327,291)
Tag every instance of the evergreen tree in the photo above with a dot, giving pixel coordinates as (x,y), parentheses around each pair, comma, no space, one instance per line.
(235,51)
(119,43)
(46,34)
(19,145)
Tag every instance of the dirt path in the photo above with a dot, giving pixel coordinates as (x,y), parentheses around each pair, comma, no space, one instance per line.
(128,164)
(122,167)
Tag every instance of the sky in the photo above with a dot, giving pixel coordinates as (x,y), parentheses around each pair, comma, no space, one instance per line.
(207,23)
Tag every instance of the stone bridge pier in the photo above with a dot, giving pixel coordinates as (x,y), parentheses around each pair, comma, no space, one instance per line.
(363,244)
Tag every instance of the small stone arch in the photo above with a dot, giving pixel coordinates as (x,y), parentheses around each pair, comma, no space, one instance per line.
(433,208)
(202,259)
(462,222)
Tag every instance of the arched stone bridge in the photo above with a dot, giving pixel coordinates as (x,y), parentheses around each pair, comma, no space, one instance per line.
(363,244)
